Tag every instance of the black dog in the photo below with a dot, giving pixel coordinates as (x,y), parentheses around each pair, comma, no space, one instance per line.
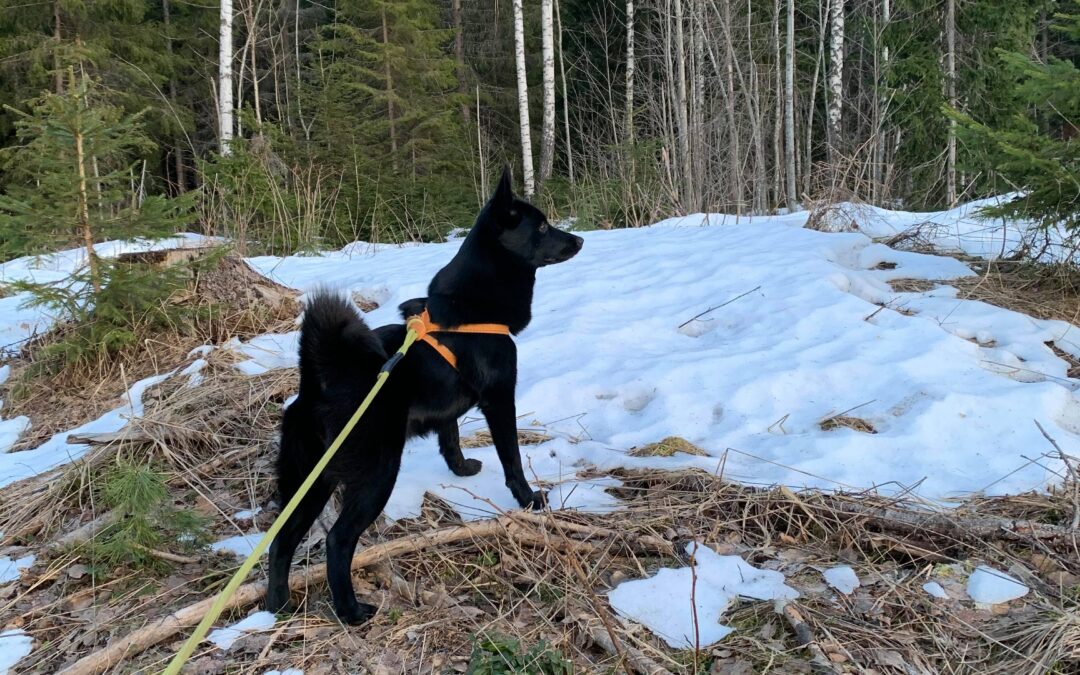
(490,280)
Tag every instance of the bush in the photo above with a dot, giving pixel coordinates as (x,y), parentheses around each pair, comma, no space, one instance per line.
(502,655)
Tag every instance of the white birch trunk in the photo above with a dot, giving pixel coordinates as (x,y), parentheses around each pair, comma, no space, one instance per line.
(789,106)
(523,100)
(680,109)
(547,131)
(950,158)
(629,74)
(836,78)
(225,84)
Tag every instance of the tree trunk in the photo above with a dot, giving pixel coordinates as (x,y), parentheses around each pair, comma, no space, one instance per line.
(523,100)
(729,67)
(950,57)
(84,205)
(881,103)
(789,107)
(680,109)
(253,30)
(225,86)
(58,36)
(178,148)
(566,103)
(547,133)
(836,81)
(389,92)
(459,55)
(629,121)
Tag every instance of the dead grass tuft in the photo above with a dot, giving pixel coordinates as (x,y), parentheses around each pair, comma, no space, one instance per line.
(482,438)
(668,447)
(913,285)
(847,422)
(1037,289)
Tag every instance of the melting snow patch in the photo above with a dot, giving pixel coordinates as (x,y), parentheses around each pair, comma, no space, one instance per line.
(662,602)
(11,429)
(935,589)
(842,578)
(990,586)
(287,671)
(247,514)
(11,569)
(14,645)
(225,637)
(241,545)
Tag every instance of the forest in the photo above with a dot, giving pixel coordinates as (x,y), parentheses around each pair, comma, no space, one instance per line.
(298,125)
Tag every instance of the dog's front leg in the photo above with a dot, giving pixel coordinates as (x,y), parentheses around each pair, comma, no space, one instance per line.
(502,421)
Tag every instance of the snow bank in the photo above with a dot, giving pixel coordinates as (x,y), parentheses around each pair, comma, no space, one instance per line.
(604,366)
(663,602)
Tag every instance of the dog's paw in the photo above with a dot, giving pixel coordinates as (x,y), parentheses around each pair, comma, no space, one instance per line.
(537,502)
(277,603)
(357,614)
(470,467)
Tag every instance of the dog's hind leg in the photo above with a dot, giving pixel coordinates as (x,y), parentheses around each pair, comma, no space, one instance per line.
(364,498)
(285,543)
(450,448)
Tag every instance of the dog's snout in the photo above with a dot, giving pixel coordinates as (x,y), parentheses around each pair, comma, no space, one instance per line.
(578,243)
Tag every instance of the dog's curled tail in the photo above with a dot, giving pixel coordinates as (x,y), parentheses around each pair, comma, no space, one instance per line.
(336,347)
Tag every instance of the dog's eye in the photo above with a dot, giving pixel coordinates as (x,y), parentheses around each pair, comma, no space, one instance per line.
(543,228)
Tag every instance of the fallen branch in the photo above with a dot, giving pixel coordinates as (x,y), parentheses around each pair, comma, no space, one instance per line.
(636,659)
(806,639)
(249,594)
(83,533)
(960,528)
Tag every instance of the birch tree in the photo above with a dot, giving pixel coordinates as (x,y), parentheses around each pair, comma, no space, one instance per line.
(225,85)
(547,131)
(523,100)
(950,83)
(789,106)
(836,78)
(629,74)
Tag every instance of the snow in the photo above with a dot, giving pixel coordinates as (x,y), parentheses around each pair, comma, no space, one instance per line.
(739,335)
(287,671)
(247,514)
(56,451)
(14,645)
(241,545)
(989,586)
(662,602)
(604,366)
(225,637)
(11,569)
(19,323)
(934,588)
(10,430)
(961,229)
(842,578)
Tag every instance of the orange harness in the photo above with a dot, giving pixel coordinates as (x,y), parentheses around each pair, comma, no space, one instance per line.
(424,327)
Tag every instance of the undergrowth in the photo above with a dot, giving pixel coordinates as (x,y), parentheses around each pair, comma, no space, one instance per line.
(146,520)
(502,655)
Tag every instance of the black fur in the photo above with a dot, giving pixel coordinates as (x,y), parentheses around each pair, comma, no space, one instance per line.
(490,280)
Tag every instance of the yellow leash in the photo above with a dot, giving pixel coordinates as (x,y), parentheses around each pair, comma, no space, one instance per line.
(218,607)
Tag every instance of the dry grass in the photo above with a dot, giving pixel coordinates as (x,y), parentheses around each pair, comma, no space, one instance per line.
(546,578)
(240,304)
(482,438)
(913,285)
(847,422)
(1039,290)
(668,447)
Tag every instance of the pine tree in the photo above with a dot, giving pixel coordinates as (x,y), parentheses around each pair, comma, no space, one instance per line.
(74,177)
(1038,150)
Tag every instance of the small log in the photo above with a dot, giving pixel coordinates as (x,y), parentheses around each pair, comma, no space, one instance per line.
(961,528)
(805,636)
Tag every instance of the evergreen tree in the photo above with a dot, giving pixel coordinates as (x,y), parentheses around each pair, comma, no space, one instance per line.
(1037,150)
(74,177)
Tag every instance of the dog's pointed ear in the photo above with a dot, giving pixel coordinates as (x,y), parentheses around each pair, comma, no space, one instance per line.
(504,191)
